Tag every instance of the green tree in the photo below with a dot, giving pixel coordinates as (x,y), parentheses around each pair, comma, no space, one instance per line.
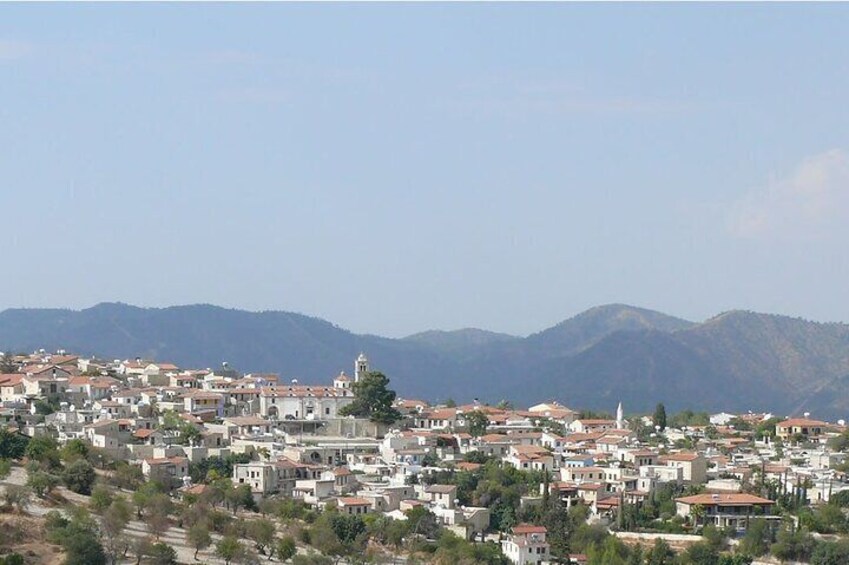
(83,548)
(831,553)
(101,498)
(697,514)
(112,524)
(766,429)
(557,521)
(793,545)
(660,554)
(828,519)
(171,421)
(17,496)
(162,554)
(142,496)
(42,482)
(229,548)
(421,521)
(339,535)
(44,450)
(290,509)
(75,449)
(610,552)
(714,537)
(240,497)
(79,537)
(373,399)
(701,554)
(8,365)
(157,509)
(5,468)
(43,407)
(840,499)
(207,470)
(477,422)
(286,548)
(659,418)
(198,537)
(261,532)
(453,549)
(758,538)
(141,547)
(126,476)
(189,434)
(79,476)
(740,424)
(13,445)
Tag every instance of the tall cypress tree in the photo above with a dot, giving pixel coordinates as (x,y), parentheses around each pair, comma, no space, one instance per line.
(660,416)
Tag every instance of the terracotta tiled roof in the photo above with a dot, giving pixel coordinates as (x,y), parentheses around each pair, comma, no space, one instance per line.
(802,423)
(682,456)
(495,438)
(529,529)
(441,489)
(11,379)
(353,501)
(594,422)
(465,466)
(301,391)
(730,499)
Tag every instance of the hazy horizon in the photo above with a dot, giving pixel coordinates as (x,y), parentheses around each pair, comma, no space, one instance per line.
(399,168)
(564,318)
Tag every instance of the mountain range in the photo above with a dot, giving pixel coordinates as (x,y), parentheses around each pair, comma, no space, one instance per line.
(735,361)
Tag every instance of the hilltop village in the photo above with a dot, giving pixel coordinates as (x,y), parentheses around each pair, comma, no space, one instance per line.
(144,461)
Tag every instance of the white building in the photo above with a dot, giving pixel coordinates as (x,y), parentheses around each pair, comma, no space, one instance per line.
(527,544)
(303,402)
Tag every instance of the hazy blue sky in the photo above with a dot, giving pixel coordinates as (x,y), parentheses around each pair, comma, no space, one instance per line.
(394,168)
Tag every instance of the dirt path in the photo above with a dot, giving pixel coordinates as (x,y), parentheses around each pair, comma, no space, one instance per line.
(175,537)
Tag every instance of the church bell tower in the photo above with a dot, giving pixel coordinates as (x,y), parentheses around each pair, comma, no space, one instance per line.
(360,367)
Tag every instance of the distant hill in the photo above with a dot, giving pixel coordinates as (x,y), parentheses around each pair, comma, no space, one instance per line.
(590,327)
(735,361)
(467,340)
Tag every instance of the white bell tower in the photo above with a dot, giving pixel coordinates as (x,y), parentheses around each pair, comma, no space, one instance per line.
(360,367)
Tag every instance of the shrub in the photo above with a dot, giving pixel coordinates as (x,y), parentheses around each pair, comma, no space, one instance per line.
(79,476)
